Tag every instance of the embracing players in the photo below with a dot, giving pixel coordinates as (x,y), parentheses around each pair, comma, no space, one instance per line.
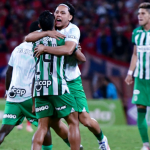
(64,15)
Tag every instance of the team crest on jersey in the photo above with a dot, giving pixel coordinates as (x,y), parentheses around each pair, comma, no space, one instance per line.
(16,91)
(40,83)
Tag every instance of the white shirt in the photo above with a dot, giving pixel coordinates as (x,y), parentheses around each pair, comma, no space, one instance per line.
(72,33)
(23,64)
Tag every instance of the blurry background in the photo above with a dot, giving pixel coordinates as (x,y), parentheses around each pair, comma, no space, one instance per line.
(106,28)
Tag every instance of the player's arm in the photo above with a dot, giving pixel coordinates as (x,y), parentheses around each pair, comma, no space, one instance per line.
(35,36)
(66,49)
(129,79)
(80,56)
(8,77)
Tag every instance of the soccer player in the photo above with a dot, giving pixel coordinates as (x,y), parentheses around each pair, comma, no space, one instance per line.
(18,85)
(140,65)
(51,90)
(64,15)
(19,78)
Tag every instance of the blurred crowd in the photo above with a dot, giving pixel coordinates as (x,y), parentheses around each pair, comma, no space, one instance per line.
(106,25)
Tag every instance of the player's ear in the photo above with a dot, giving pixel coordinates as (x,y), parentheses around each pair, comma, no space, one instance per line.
(70,17)
(39,26)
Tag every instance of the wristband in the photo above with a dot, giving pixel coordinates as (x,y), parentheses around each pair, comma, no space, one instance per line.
(130,72)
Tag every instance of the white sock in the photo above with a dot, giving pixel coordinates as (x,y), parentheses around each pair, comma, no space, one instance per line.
(81,145)
(146,144)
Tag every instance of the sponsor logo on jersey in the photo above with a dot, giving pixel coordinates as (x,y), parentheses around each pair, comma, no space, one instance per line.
(42,108)
(40,83)
(61,108)
(16,91)
(139,31)
(136,92)
(11,116)
(143,48)
(72,37)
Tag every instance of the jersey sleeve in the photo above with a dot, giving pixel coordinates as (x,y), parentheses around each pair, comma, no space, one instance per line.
(133,37)
(11,60)
(73,35)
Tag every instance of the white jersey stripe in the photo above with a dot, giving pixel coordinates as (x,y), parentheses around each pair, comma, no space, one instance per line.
(136,39)
(147,65)
(141,65)
(142,38)
(38,76)
(45,74)
(54,77)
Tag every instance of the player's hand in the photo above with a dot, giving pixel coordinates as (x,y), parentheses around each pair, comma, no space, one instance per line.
(39,50)
(129,79)
(79,47)
(55,34)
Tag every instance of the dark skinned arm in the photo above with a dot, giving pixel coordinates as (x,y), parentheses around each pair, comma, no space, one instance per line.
(8,76)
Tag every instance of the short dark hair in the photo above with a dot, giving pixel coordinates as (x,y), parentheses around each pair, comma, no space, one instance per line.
(34,26)
(46,20)
(145,5)
(71,9)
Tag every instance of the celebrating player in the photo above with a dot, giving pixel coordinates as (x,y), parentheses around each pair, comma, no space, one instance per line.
(19,104)
(51,90)
(64,15)
(19,78)
(140,65)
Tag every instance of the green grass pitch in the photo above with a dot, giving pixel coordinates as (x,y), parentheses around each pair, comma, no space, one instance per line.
(120,137)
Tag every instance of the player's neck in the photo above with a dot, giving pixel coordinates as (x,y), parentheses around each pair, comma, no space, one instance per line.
(147,27)
(61,28)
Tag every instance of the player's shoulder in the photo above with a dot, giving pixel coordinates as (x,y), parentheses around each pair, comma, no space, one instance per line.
(73,27)
(138,30)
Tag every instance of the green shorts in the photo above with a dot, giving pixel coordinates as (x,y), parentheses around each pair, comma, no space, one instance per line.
(141,92)
(76,89)
(15,113)
(58,105)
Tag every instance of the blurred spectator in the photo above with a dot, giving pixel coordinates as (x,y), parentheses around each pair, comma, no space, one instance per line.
(104,44)
(13,41)
(120,45)
(3,47)
(89,42)
(106,90)
(100,17)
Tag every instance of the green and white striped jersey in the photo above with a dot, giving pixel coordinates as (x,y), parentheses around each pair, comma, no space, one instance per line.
(49,71)
(141,39)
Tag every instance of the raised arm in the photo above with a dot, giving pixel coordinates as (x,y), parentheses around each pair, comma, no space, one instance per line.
(35,36)
(129,79)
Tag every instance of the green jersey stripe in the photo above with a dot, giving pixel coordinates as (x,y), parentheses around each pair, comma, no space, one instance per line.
(59,77)
(144,64)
